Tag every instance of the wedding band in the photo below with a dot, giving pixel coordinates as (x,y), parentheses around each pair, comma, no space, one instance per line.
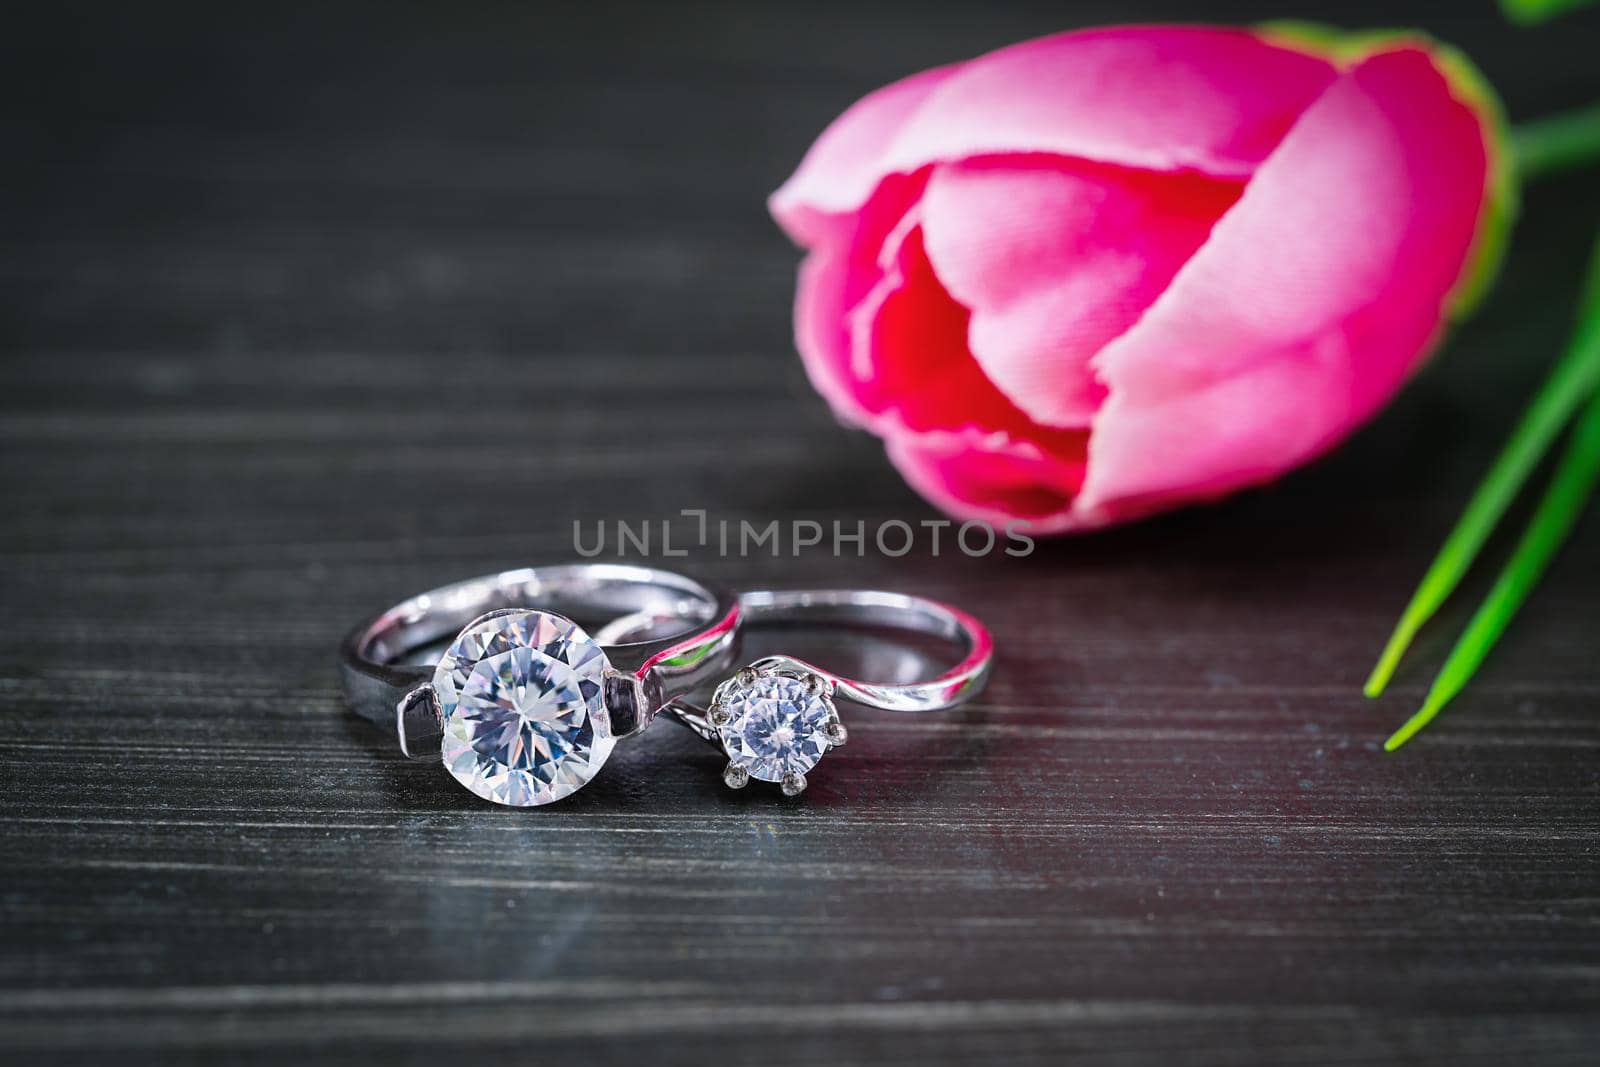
(524,707)
(776,718)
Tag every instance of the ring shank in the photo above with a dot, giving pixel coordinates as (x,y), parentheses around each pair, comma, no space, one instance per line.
(700,642)
(875,609)
(865,608)
(893,611)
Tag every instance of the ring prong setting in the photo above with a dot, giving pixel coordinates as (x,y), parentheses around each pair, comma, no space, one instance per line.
(774,719)
(837,734)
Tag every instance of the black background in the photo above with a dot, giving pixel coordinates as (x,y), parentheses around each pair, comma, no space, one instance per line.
(303,311)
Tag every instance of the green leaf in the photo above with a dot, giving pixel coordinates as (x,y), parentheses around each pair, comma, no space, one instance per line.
(1559,143)
(1529,12)
(1573,379)
(1563,502)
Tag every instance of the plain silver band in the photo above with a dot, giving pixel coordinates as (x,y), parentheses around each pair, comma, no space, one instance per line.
(875,609)
(703,638)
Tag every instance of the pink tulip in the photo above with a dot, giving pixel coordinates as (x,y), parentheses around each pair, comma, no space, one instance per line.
(1106,273)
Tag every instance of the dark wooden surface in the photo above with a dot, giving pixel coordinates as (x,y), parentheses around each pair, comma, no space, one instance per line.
(268,285)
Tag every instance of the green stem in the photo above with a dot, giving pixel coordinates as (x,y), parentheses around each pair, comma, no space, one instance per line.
(1558,143)
(1563,502)
(1574,377)
(1530,12)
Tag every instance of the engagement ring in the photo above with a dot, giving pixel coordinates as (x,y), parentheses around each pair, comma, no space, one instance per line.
(523,706)
(776,718)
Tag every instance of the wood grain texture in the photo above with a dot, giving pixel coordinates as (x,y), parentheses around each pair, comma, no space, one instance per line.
(268,281)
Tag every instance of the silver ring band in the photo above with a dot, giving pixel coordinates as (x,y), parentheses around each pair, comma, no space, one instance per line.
(518,634)
(776,717)
(894,611)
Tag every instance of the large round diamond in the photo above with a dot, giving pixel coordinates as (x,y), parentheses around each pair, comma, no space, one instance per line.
(524,718)
(776,725)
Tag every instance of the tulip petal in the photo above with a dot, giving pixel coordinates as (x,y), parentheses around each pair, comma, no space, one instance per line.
(1055,258)
(1311,302)
(850,145)
(834,279)
(993,477)
(909,354)
(1163,98)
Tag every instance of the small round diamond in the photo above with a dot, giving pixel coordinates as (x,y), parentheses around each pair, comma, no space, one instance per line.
(776,725)
(521,697)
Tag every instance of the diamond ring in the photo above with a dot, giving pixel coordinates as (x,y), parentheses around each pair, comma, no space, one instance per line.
(524,706)
(776,718)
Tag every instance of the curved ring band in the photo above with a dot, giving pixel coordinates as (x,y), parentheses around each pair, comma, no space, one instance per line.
(516,643)
(776,717)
